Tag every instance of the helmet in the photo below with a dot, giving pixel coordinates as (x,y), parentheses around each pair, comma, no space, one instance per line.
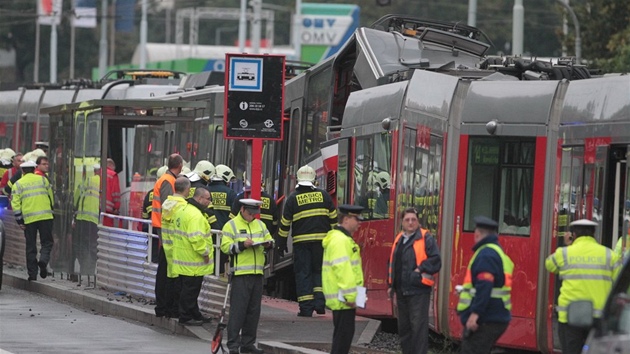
(38,152)
(223,173)
(305,176)
(161,171)
(185,170)
(383,180)
(29,157)
(204,169)
(8,152)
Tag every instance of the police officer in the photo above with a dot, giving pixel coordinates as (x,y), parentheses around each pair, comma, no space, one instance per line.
(164,187)
(32,204)
(342,273)
(244,238)
(485,305)
(310,213)
(413,261)
(587,270)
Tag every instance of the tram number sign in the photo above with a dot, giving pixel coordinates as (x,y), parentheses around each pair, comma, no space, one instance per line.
(254,96)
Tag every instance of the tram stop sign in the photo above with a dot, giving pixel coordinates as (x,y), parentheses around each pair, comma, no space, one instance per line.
(254,96)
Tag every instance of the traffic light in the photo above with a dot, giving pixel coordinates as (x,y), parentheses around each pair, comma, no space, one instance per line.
(383,2)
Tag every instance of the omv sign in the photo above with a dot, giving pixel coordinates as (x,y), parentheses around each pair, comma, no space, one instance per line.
(324,30)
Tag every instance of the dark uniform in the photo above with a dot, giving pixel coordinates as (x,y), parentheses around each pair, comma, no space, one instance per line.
(268,209)
(208,212)
(489,274)
(147,208)
(310,213)
(222,200)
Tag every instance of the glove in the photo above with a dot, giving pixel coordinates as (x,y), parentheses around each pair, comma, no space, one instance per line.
(281,245)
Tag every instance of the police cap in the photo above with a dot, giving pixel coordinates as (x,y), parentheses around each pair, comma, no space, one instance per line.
(351,210)
(485,222)
(28,164)
(583,222)
(252,205)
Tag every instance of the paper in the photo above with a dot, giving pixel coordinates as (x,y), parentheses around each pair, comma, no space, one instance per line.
(262,242)
(361,297)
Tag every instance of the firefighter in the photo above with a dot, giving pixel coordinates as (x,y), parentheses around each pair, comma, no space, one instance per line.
(112,193)
(342,273)
(193,253)
(164,187)
(587,270)
(86,206)
(310,213)
(383,182)
(485,303)
(5,160)
(222,199)
(244,238)
(32,205)
(29,156)
(205,170)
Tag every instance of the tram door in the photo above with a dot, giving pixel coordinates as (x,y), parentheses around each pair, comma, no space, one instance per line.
(619,192)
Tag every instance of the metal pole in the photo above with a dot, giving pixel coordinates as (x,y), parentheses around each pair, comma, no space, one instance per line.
(256,28)
(472,13)
(36,64)
(565,30)
(143,35)
(297,30)
(102,52)
(72,42)
(242,27)
(518,12)
(576,25)
(53,45)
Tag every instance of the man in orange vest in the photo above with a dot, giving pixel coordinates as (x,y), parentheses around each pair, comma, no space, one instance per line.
(414,260)
(165,288)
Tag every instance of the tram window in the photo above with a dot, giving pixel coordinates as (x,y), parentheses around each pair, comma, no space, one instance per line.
(372,175)
(511,162)
(316,111)
(218,146)
(93,135)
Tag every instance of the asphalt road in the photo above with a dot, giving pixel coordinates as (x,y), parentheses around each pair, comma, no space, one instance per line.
(33,323)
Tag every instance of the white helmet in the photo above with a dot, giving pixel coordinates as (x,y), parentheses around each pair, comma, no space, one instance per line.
(223,173)
(162,170)
(185,170)
(305,176)
(383,180)
(38,152)
(205,169)
(29,157)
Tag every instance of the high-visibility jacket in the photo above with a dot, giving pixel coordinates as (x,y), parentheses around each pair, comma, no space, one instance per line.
(164,187)
(310,213)
(113,191)
(502,292)
(411,282)
(170,229)
(622,251)
(32,199)
(245,260)
(268,209)
(87,200)
(191,239)
(341,268)
(587,270)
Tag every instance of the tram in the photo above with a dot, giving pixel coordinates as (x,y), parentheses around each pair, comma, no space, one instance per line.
(413,113)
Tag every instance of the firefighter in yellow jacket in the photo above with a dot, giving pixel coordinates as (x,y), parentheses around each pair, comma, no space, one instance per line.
(244,239)
(587,270)
(32,202)
(341,275)
(191,251)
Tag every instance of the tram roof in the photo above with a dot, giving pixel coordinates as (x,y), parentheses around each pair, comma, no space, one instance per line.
(130,112)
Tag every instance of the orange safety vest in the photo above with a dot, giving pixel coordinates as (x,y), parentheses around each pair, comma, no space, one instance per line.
(421,254)
(156,214)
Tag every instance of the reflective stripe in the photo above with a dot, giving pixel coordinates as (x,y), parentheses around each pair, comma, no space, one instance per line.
(581,266)
(309,237)
(43,212)
(189,264)
(347,291)
(248,267)
(596,313)
(586,276)
(306,298)
(310,213)
(336,261)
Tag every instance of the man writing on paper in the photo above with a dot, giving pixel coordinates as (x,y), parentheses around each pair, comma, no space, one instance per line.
(342,274)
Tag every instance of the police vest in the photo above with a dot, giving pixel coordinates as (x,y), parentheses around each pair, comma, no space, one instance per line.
(156,213)
(249,260)
(504,293)
(32,199)
(344,254)
(421,254)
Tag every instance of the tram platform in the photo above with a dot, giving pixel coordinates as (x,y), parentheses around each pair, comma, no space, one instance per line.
(280,329)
